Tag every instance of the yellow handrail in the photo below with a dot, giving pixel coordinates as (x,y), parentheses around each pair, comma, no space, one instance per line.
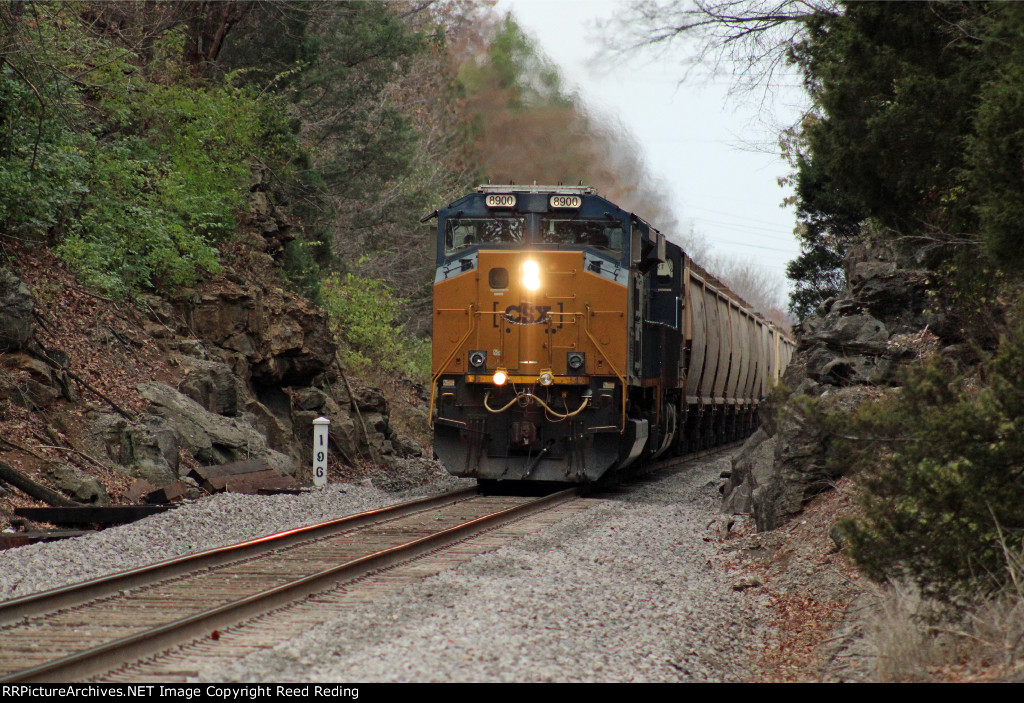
(622,379)
(471,311)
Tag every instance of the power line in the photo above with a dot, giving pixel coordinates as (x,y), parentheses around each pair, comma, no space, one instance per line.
(759,231)
(727,214)
(752,246)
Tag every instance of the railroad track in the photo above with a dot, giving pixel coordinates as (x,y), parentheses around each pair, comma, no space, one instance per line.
(75,632)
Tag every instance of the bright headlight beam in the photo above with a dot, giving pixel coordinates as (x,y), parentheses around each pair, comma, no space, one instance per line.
(531,275)
(500,377)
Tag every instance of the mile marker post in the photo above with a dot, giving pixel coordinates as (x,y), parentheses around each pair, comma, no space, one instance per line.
(320,426)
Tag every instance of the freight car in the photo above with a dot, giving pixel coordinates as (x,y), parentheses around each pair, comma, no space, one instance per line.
(570,340)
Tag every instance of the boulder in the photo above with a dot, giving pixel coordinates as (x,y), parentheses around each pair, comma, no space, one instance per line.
(310,398)
(213,385)
(284,340)
(148,450)
(889,291)
(277,429)
(17,322)
(377,423)
(776,474)
(212,439)
(406,446)
(342,433)
(849,370)
(371,400)
(849,350)
(33,395)
(192,348)
(795,474)
(751,468)
(33,385)
(78,485)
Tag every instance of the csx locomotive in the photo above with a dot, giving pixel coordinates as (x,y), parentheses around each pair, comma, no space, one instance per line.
(570,340)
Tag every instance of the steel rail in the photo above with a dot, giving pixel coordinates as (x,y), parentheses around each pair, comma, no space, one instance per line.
(98,659)
(18,609)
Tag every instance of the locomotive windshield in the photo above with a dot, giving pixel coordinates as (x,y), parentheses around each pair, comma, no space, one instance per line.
(603,234)
(463,232)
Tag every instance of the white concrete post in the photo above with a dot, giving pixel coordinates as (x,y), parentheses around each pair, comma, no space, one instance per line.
(320,426)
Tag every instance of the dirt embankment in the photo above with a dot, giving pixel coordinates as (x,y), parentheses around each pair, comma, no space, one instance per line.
(97,393)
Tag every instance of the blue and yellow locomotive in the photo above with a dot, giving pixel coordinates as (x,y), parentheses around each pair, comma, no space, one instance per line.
(570,340)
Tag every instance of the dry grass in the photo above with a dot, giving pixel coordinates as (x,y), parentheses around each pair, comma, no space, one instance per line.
(899,639)
(914,639)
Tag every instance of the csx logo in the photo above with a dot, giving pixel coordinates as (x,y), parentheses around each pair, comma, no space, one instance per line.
(527,314)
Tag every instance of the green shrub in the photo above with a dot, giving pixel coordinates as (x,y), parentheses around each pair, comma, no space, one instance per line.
(943,496)
(134,174)
(302,270)
(363,314)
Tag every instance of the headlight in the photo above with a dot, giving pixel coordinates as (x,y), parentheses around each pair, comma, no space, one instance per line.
(477,359)
(546,379)
(531,275)
(500,376)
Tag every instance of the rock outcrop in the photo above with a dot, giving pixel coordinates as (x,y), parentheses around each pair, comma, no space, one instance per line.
(234,369)
(78,485)
(846,352)
(270,337)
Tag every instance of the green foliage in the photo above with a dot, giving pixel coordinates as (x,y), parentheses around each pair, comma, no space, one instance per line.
(518,67)
(817,275)
(361,170)
(134,178)
(363,314)
(348,54)
(996,147)
(301,268)
(917,128)
(830,223)
(895,86)
(943,499)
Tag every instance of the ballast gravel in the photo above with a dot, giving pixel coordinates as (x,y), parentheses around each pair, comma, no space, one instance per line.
(214,521)
(633,589)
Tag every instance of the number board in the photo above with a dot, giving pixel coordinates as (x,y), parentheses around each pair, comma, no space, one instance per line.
(565,201)
(495,200)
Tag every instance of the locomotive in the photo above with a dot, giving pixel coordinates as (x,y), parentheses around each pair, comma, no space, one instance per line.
(571,340)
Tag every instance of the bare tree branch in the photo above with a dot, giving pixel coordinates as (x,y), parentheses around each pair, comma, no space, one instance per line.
(750,39)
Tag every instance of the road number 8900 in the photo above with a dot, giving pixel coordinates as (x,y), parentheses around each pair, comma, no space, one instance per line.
(572,201)
(500,200)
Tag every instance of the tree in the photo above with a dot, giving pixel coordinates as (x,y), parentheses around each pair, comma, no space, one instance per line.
(755,40)
(995,145)
(130,168)
(894,87)
(894,90)
(526,126)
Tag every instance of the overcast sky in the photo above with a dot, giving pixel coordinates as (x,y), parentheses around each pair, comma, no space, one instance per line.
(695,139)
